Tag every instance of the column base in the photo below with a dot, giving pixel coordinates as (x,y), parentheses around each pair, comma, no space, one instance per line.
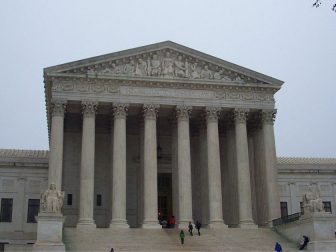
(249,224)
(118,223)
(217,224)
(151,225)
(86,224)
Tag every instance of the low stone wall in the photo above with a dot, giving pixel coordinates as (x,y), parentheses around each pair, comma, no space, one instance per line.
(319,227)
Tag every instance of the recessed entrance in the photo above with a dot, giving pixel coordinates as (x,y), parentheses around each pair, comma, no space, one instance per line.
(165,205)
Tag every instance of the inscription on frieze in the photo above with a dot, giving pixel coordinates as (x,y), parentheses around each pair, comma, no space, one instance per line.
(166,92)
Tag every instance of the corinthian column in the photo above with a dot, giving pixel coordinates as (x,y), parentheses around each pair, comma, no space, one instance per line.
(56,143)
(184,166)
(243,170)
(214,172)
(150,167)
(119,166)
(269,157)
(86,200)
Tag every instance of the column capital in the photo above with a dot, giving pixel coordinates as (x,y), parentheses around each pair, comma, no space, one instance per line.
(89,108)
(150,111)
(240,115)
(183,112)
(120,110)
(268,116)
(212,113)
(58,107)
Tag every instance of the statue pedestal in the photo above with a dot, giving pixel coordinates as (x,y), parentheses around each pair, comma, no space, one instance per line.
(318,226)
(321,226)
(49,232)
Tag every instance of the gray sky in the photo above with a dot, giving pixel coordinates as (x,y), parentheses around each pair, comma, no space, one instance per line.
(288,40)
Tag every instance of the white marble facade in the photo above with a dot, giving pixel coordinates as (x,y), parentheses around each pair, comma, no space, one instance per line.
(163,128)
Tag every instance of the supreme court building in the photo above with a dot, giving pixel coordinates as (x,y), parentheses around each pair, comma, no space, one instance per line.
(151,132)
(162,130)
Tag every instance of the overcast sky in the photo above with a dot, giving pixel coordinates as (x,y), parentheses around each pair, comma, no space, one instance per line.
(288,40)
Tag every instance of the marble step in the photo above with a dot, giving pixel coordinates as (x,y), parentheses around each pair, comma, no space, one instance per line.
(232,239)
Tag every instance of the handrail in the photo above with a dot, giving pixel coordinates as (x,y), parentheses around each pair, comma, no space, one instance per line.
(286,219)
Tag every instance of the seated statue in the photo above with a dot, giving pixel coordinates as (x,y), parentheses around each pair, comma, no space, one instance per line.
(312,202)
(51,200)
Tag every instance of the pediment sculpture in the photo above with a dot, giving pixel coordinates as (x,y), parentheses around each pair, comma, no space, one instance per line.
(51,200)
(165,64)
(312,201)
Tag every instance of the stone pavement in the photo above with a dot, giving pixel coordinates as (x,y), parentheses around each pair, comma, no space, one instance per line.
(232,239)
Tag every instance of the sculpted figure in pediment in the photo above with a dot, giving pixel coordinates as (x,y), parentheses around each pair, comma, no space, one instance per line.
(141,68)
(206,73)
(112,70)
(129,68)
(91,71)
(154,68)
(218,75)
(194,74)
(238,79)
(181,68)
(168,66)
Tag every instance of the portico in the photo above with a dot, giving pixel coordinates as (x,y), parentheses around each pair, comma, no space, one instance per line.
(212,120)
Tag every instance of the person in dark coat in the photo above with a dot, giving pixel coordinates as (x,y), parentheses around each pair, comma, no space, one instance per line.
(277,247)
(198,227)
(182,237)
(190,228)
(304,242)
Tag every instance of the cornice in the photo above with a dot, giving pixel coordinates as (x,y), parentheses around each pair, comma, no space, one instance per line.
(306,160)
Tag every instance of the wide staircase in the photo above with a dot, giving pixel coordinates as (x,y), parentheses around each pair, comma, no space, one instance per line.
(231,239)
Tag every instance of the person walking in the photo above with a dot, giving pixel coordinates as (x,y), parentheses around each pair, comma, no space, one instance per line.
(303,242)
(182,237)
(190,227)
(198,227)
(277,247)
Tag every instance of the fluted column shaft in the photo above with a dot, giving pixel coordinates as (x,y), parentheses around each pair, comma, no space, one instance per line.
(56,143)
(184,165)
(150,167)
(214,172)
(119,166)
(86,200)
(272,192)
(243,170)
(175,190)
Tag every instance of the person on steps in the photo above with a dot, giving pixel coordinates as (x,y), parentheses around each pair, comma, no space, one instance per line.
(304,242)
(278,247)
(182,237)
(198,227)
(190,227)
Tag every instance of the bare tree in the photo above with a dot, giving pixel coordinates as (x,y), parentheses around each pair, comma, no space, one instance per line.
(318,3)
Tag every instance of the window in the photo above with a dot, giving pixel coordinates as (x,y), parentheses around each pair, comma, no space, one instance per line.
(69,199)
(33,209)
(327,206)
(284,209)
(301,208)
(99,200)
(6,210)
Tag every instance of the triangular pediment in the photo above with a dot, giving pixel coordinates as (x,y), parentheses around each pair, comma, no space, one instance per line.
(166,61)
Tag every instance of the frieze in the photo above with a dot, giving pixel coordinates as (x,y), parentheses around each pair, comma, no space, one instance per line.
(166,64)
(176,90)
